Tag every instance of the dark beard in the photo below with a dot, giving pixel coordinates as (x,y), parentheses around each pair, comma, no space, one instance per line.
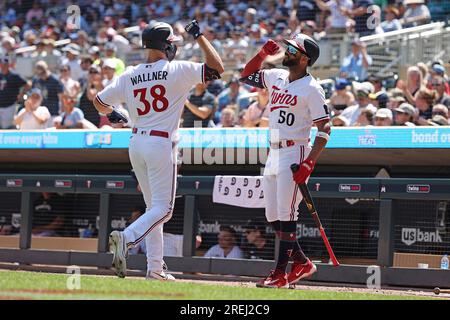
(289,63)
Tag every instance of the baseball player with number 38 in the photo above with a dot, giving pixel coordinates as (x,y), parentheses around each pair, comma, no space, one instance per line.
(296,102)
(155,93)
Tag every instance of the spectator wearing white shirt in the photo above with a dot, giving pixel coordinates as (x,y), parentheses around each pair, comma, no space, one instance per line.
(70,85)
(362,99)
(72,59)
(338,21)
(416,13)
(33,116)
(226,248)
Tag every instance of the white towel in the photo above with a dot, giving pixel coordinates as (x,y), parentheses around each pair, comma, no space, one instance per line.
(239,191)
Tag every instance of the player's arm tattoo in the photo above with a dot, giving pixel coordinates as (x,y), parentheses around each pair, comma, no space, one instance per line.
(254,80)
(210,73)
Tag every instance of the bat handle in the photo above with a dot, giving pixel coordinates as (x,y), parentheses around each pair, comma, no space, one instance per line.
(295,167)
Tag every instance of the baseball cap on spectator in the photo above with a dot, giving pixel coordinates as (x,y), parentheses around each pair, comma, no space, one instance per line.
(110,63)
(251,11)
(437,61)
(374,78)
(42,65)
(363,87)
(408,2)
(340,121)
(381,96)
(392,9)
(405,108)
(384,113)
(94,69)
(15,29)
(439,109)
(438,120)
(280,26)
(223,13)
(94,50)
(110,46)
(439,69)
(35,91)
(73,49)
(341,84)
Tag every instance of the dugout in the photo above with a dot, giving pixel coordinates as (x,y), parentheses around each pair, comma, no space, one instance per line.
(389,221)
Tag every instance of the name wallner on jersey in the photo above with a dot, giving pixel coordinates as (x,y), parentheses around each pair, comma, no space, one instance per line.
(150,76)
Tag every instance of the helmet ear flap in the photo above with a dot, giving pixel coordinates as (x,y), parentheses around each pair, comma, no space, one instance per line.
(171,51)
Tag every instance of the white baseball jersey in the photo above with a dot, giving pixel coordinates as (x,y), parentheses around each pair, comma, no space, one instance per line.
(155,93)
(293,106)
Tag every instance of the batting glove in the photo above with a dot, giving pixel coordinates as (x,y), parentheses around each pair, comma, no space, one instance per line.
(270,48)
(306,167)
(117,117)
(193,29)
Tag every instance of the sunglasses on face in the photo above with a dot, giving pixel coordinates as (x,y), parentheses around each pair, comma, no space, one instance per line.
(292,50)
(436,84)
(438,113)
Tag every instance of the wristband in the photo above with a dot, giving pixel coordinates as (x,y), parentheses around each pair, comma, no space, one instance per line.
(323,135)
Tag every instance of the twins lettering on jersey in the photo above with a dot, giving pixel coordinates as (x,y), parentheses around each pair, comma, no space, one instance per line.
(282,99)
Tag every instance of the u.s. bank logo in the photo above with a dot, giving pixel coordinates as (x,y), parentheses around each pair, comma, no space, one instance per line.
(409,236)
(413,235)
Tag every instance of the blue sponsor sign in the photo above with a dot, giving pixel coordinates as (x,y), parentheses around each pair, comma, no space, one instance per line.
(341,138)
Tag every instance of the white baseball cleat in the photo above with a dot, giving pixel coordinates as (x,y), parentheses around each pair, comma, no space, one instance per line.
(155,275)
(119,250)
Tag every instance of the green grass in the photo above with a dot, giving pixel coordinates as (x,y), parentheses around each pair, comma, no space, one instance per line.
(35,285)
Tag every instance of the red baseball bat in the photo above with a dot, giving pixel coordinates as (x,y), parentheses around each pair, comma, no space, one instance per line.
(312,209)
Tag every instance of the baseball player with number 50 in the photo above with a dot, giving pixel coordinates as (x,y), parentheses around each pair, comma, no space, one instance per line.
(296,102)
(155,93)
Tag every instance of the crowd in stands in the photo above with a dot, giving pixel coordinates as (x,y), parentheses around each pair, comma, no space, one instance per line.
(73,60)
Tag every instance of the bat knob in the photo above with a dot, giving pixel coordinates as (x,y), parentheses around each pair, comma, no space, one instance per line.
(295,167)
(437,290)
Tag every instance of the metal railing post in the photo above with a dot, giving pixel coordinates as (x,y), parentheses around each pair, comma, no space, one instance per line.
(386,234)
(104,223)
(26,223)
(189,226)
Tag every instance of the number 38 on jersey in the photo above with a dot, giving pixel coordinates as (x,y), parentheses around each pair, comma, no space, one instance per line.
(156,99)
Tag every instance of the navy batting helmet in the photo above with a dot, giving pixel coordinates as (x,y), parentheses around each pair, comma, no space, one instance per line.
(159,36)
(307,45)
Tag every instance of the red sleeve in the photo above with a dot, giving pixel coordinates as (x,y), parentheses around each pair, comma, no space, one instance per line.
(252,66)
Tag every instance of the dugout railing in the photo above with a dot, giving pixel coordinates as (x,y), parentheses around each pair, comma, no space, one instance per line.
(406,209)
